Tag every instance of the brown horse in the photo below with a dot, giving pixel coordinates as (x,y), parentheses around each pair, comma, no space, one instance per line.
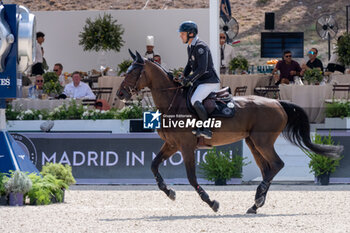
(258,120)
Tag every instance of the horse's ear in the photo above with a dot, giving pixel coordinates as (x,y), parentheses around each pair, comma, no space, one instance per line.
(132,55)
(139,58)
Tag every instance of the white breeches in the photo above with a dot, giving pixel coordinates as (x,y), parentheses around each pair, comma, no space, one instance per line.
(203,90)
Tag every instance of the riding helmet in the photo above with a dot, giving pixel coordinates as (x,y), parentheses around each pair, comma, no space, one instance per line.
(189,27)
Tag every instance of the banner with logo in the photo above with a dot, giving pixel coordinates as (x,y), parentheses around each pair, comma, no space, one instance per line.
(101,158)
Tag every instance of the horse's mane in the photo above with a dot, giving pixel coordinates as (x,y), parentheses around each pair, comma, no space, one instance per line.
(166,72)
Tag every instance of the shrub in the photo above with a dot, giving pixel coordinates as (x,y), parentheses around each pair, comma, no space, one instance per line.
(17,183)
(343,48)
(133,111)
(123,67)
(45,189)
(338,109)
(2,185)
(238,62)
(313,75)
(220,165)
(320,164)
(59,171)
(101,34)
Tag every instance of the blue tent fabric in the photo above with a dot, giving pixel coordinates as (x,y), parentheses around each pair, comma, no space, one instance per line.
(12,156)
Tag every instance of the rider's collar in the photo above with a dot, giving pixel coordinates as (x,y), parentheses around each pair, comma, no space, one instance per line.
(194,41)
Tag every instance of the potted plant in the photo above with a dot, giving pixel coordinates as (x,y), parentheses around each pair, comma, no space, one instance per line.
(320,165)
(17,186)
(177,72)
(123,67)
(343,48)
(313,76)
(134,113)
(45,190)
(219,166)
(337,115)
(101,34)
(52,86)
(238,64)
(60,172)
(3,196)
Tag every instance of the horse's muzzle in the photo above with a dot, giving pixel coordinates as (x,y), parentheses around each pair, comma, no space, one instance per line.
(123,94)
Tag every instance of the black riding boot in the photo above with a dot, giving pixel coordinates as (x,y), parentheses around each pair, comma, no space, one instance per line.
(203,115)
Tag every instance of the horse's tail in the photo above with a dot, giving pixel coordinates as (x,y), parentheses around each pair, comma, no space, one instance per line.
(297,131)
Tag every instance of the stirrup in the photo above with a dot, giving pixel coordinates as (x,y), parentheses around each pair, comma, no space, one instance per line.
(206,133)
(196,132)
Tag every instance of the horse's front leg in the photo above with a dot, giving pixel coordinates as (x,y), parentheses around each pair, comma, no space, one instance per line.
(189,159)
(166,151)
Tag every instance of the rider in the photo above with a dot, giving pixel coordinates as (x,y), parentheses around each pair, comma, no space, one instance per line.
(203,73)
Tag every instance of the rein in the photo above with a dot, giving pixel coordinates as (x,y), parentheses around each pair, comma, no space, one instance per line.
(174,97)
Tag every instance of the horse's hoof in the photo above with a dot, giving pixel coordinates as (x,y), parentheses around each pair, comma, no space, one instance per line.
(215,206)
(260,201)
(172,194)
(251,211)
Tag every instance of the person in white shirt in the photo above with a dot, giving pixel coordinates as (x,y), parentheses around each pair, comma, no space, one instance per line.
(58,68)
(37,68)
(77,89)
(226,54)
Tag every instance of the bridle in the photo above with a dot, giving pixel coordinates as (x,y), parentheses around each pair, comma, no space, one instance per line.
(131,86)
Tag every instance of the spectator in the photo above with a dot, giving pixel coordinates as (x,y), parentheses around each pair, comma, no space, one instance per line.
(158,59)
(36,90)
(226,54)
(37,68)
(58,68)
(334,64)
(288,69)
(149,48)
(313,62)
(78,89)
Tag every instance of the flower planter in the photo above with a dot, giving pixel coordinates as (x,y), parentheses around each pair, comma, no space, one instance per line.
(114,126)
(337,123)
(220,182)
(136,126)
(16,199)
(4,200)
(323,179)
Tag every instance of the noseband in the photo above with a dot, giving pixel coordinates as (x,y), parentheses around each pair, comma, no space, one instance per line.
(131,86)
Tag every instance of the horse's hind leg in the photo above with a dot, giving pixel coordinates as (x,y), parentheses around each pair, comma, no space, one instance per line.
(270,164)
(165,152)
(189,159)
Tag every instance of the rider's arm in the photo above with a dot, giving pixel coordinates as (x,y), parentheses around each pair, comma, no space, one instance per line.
(202,56)
(187,69)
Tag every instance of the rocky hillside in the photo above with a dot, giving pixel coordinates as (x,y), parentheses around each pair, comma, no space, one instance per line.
(290,15)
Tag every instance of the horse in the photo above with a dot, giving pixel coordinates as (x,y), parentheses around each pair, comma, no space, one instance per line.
(258,120)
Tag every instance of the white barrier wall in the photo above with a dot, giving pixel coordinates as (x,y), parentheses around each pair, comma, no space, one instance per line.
(62,28)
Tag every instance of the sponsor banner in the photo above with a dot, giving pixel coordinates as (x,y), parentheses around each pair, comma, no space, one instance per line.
(109,158)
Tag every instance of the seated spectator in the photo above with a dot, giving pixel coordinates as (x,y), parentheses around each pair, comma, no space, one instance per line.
(36,90)
(78,89)
(288,69)
(313,62)
(58,68)
(334,64)
(158,59)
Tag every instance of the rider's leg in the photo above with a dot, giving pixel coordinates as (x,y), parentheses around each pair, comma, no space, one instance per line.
(202,91)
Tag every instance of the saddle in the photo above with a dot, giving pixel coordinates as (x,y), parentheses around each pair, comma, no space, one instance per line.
(218,103)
